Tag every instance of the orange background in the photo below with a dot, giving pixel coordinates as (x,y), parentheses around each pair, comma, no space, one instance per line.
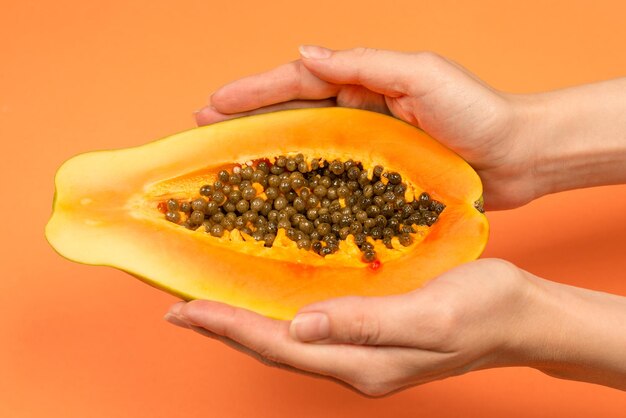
(81,341)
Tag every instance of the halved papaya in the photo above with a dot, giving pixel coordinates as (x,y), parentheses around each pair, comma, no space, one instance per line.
(108,211)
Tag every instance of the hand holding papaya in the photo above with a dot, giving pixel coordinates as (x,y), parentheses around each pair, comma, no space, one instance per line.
(483,314)
(423,89)
(383,344)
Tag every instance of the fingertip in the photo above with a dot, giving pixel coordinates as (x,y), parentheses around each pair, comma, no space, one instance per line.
(195,308)
(206,313)
(208,115)
(314,52)
(177,307)
(173,316)
(176,320)
(225,100)
(215,96)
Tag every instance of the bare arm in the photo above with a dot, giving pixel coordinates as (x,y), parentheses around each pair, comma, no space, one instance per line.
(579,135)
(577,334)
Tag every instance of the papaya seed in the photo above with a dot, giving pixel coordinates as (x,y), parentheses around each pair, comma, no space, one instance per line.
(173,217)
(172,205)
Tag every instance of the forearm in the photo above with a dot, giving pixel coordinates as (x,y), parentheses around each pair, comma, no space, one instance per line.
(578,135)
(575,334)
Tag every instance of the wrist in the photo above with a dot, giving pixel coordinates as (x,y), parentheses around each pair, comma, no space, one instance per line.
(575,137)
(573,333)
(545,128)
(536,129)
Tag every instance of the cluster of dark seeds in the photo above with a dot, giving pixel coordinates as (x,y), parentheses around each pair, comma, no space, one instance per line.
(317,204)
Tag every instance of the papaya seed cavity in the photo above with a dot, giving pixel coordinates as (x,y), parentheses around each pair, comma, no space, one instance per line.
(318,203)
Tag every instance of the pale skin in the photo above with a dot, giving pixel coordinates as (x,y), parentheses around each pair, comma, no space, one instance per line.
(483,314)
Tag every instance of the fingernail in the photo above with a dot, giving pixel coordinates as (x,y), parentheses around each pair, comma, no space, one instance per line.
(310,326)
(314,52)
(175,320)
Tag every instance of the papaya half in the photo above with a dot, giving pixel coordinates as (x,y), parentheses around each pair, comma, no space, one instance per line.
(109,209)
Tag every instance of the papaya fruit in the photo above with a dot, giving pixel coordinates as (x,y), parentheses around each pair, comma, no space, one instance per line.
(111,209)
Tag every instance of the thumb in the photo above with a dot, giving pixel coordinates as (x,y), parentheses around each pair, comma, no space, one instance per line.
(390,320)
(385,72)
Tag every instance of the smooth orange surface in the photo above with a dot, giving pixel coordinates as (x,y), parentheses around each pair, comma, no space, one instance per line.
(81,341)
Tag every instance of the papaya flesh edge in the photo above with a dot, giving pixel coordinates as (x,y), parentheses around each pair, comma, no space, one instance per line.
(105,210)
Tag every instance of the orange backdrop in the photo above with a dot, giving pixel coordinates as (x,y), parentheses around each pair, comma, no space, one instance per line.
(80,341)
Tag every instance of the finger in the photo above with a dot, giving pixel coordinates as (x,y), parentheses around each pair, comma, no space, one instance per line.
(386,72)
(270,339)
(402,320)
(372,381)
(381,372)
(373,371)
(208,115)
(358,97)
(282,84)
(173,316)
(283,366)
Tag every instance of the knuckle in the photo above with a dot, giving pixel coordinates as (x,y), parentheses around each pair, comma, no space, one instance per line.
(269,356)
(364,329)
(432,61)
(501,266)
(372,391)
(506,272)
(363,52)
(299,73)
(384,375)
(352,96)
(229,328)
(430,57)
(373,388)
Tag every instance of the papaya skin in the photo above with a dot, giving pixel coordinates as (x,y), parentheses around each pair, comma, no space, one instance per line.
(105,211)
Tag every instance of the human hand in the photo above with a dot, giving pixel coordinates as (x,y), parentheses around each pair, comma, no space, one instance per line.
(469,318)
(483,314)
(424,89)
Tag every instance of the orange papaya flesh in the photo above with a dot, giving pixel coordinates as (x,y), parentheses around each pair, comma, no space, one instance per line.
(106,211)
